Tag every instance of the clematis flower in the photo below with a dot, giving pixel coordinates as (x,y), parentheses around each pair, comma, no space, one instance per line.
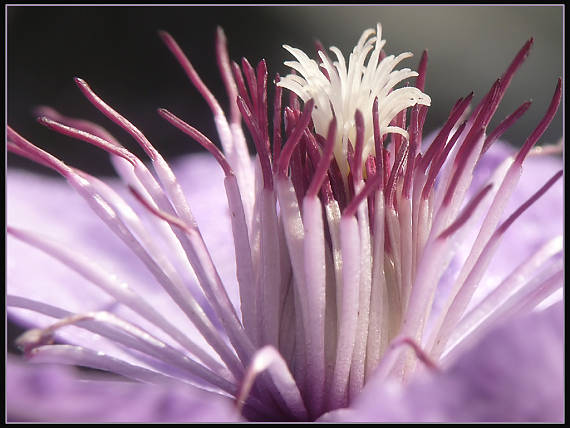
(354,270)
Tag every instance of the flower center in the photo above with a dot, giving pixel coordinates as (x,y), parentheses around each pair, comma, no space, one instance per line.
(340,91)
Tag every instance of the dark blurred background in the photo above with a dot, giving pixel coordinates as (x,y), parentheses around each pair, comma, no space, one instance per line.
(117,50)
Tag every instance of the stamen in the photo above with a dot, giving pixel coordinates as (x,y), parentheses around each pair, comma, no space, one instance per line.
(461,160)
(497,206)
(324,163)
(541,127)
(485,311)
(399,162)
(504,125)
(315,296)
(268,358)
(439,142)
(460,301)
(348,318)
(117,118)
(80,356)
(23,147)
(294,138)
(420,353)
(512,69)
(198,137)
(258,140)
(191,72)
(89,138)
(251,80)
(82,125)
(378,140)
(529,202)
(356,167)
(370,186)
(421,78)
(224,65)
(242,91)
(262,102)
(466,213)
(277,120)
(118,290)
(129,335)
(414,132)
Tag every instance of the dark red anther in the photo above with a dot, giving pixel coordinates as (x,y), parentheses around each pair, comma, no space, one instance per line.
(294,138)
(224,65)
(22,147)
(470,142)
(387,167)
(350,186)
(460,160)
(423,110)
(337,184)
(277,120)
(319,47)
(503,227)
(370,166)
(438,143)
(298,171)
(484,111)
(356,166)
(349,153)
(290,121)
(421,79)
(413,131)
(257,135)
(507,76)
(400,122)
(242,90)
(504,125)
(439,160)
(378,142)
(543,124)
(321,141)
(251,80)
(466,213)
(108,146)
(320,172)
(262,101)
(489,108)
(198,137)
(399,162)
(369,187)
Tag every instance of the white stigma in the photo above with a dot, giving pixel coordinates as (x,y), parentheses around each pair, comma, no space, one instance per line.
(341,91)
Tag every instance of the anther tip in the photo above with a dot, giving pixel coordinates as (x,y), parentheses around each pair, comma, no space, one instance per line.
(220,33)
(79,81)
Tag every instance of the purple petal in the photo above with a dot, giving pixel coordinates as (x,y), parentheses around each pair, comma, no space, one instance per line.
(55,394)
(515,373)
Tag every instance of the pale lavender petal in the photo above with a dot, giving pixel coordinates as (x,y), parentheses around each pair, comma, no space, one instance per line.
(56,394)
(515,374)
